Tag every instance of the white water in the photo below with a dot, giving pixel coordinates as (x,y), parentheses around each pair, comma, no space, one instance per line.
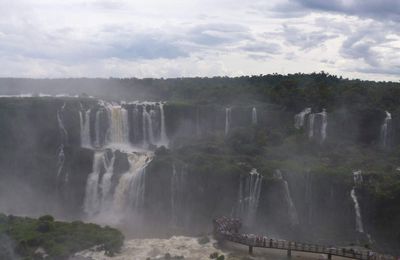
(254,118)
(299,118)
(311,126)
(129,193)
(118,132)
(141,249)
(227,120)
(97,141)
(293,216)
(384,129)
(60,160)
(63,131)
(92,199)
(357,176)
(359,224)
(106,181)
(84,119)
(324,124)
(249,196)
(163,134)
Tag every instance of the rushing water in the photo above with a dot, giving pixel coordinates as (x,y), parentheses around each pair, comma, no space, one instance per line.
(118,132)
(357,176)
(92,201)
(254,119)
(163,135)
(84,119)
(385,129)
(324,124)
(299,119)
(311,126)
(61,127)
(141,249)
(293,216)
(249,196)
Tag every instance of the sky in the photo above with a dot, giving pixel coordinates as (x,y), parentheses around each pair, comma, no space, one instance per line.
(186,38)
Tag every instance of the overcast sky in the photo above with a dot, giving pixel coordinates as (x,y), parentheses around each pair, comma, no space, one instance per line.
(176,38)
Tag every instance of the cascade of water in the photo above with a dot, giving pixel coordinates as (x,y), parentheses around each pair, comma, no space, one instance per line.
(118,132)
(299,118)
(384,129)
(144,128)
(359,225)
(149,118)
(106,180)
(129,193)
(254,116)
(60,160)
(357,177)
(249,196)
(311,126)
(63,131)
(178,183)
(97,142)
(92,202)
(163,134)
(227,119)
(84,120)
(293,216)
(324,124)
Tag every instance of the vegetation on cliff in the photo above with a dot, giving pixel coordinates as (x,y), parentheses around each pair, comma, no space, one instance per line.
(30,238)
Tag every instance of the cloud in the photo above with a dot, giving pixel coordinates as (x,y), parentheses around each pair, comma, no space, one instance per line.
(306,40)
(377,9)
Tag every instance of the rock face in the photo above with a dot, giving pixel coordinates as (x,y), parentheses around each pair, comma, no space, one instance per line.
(89,159)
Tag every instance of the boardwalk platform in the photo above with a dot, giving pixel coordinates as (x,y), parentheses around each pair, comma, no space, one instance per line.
(228,229)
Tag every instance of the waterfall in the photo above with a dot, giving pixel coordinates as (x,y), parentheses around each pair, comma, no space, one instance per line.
(148,134)
(92,201)
(178,183)
(106,180)
(118,132)
(293,216)
(311,126)
(97,142)
(227,119)
(60,160)
(163,135)
(84,120)
(357,177)
(254,116)
(64,140)
(324,124)
(249,196)
(61,127)
(384,129)
(129,193)
(299,118)
(149,118)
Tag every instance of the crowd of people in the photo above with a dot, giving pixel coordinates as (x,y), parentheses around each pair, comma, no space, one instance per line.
(228,228)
